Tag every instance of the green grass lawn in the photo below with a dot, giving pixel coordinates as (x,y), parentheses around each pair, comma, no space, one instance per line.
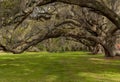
(58,67)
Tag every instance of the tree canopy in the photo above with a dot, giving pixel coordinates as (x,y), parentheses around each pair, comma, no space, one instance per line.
(83,21)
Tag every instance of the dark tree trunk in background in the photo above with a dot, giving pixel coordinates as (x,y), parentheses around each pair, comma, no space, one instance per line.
(96,49)
(109,51)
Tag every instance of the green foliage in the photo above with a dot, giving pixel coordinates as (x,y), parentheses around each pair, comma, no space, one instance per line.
(9,4)
(9,7)
(60,45)
(58,67)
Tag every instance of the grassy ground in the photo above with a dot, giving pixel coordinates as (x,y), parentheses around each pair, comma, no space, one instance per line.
(58,67)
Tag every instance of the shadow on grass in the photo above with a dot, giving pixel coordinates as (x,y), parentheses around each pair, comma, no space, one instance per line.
(59,67)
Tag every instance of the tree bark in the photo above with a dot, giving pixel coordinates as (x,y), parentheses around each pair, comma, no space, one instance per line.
(109,51)
(96,49)
(93,4)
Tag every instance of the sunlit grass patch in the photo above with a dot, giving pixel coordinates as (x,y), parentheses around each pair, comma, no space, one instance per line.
(101,77)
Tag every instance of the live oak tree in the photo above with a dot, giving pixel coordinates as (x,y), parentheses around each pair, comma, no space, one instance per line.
(102,9)
(96,6)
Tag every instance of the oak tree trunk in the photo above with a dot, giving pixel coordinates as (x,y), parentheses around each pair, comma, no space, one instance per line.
(109,51)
